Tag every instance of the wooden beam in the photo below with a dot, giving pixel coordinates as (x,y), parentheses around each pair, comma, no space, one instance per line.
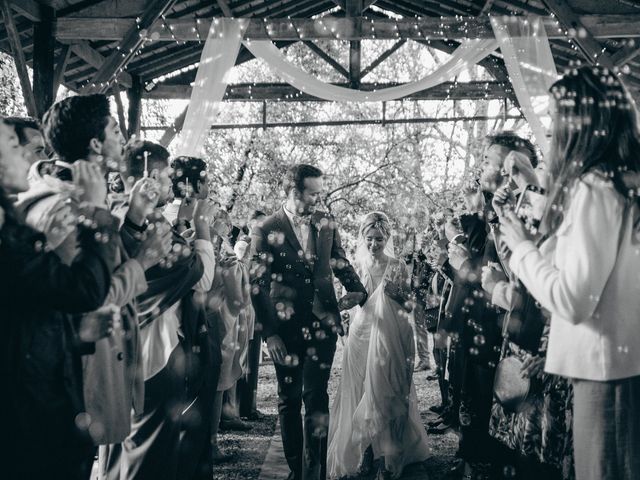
(225,8)
(96,60)
(327,58)
(434,28)
(18,56)
(343,3)
(44,45)
(28,8)
(386,54)
(121,118)
(171,132)
(337,123)
(625,54)
(61,65)
(495,66)
(250,92)
(588,45)
(134,94)
(128,47)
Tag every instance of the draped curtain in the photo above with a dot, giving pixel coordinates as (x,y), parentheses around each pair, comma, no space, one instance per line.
(218,57)
(527,55)
(523,41)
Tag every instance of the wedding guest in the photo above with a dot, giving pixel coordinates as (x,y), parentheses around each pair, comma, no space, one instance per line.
(30,137)
(169,318)
(229,295)
(248,385)
(189,184)
(246,325)
(538,434)
(421,276)
(586,279)
(81,128)
(44,332)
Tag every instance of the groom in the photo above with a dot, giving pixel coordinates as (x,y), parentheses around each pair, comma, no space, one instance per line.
(297,250)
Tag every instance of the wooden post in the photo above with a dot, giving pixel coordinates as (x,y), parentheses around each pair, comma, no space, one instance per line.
(43,60)
(134,95)
(264,113)
(354,9)
(18,57)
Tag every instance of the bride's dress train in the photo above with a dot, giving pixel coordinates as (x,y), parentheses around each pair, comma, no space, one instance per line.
(376,404)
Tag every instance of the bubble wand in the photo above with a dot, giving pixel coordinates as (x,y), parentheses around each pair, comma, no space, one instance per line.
(145,172)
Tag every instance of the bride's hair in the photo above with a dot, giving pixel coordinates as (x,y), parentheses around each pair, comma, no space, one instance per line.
(376,220)
(381,222)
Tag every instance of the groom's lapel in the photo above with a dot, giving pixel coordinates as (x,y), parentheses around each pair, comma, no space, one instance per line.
(320,230)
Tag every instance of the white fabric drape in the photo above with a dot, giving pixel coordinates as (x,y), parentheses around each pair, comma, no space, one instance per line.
(466,55)
(218,57)
(529,61)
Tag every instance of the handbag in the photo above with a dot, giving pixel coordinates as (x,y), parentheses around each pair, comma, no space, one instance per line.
(510,389)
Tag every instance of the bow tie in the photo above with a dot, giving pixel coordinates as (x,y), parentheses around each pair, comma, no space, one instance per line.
(300,221)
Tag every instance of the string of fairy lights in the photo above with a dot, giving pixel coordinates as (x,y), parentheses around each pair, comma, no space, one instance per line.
(448,27)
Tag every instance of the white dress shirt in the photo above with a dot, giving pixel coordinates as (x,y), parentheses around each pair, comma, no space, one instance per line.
(302,231)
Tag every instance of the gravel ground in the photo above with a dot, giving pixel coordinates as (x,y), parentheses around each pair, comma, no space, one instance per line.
(250,448)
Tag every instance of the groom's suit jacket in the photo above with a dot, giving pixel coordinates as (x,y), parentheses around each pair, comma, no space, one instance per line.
(286,283)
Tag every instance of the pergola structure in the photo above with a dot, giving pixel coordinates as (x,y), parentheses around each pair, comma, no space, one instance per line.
(151,48)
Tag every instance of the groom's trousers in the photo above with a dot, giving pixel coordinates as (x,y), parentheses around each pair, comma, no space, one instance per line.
(305,379)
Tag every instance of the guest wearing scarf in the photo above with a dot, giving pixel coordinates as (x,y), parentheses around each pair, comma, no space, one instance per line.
(171,321)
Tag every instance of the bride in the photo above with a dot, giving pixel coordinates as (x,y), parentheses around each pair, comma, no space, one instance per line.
(375,413)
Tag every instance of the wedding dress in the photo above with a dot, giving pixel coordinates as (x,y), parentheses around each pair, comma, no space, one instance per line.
(376,404)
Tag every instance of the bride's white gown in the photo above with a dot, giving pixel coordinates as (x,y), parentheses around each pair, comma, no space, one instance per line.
(376,402)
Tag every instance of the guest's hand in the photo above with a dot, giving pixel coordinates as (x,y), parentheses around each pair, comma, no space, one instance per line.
(185,212)
(277,349)
(491,276)
(99,324)
(203,216)
(513,230)
(227,260)
(142,200)
(350,300)
(519,167)
(90,183)
(457,255)
(502,199)
(532,367)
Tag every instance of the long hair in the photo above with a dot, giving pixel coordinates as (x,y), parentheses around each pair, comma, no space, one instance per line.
(594,129)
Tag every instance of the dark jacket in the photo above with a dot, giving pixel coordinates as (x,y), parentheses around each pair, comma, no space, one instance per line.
(469,312)
(41,300)
(287,282)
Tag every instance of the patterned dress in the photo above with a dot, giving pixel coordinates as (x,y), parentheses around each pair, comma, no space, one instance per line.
(543,431)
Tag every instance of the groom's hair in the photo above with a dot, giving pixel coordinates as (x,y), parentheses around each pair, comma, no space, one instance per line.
(295,176)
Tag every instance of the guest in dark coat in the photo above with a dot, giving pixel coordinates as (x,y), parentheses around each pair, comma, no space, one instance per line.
(44,336)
